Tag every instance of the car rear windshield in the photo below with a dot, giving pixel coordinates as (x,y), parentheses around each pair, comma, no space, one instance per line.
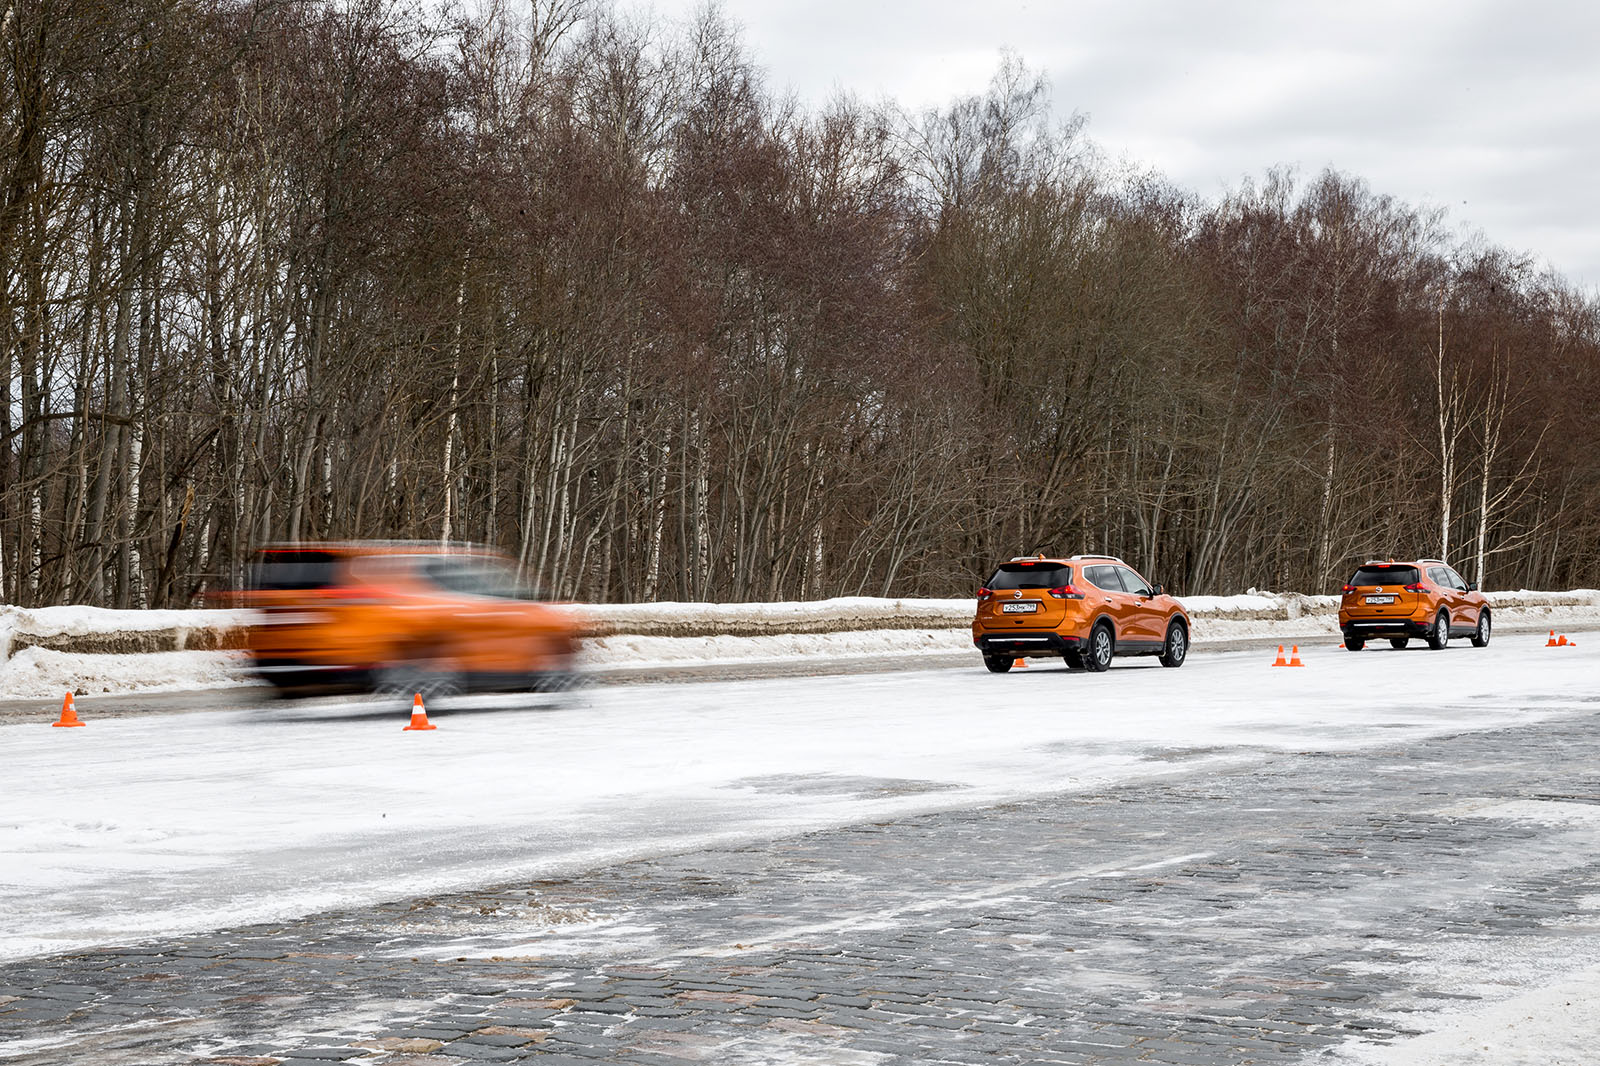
(293,571)
(1030,576)
(1385,575)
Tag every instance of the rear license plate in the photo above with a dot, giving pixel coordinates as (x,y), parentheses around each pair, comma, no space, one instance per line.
(1380,599)
(1018,608)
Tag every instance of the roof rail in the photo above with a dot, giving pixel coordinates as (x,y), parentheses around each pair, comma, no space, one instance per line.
(1108,558)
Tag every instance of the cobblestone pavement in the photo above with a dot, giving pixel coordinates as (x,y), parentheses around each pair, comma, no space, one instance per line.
(1255,913)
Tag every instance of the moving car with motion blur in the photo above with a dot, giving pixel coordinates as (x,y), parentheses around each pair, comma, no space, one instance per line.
(1085,609)
(1422,599)
(401,618)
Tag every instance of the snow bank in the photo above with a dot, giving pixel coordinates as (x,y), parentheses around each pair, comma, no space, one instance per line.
(43,673)
(839,615)
(46,651)
(96,629)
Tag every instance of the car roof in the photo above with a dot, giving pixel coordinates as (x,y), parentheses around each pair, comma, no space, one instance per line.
(1059,561)
(379,547)
(1405,562)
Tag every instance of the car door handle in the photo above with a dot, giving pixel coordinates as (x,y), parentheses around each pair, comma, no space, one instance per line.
(1108,599)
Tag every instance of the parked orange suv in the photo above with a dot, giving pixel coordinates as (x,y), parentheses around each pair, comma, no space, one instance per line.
(401,618)
(1401,600)
(1084,609)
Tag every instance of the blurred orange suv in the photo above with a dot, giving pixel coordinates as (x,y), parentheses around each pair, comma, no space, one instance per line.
(399,618)
(1084,609)
(1425,599)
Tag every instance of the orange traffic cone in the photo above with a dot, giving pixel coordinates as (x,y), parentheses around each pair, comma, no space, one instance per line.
(1019,663)
(1551,643)
(419,715)
(1294,656)
(1280,660)
(1561,642)
(69,715)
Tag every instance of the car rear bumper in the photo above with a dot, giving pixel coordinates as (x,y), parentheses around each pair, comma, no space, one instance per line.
(1386,627)
(1025,642)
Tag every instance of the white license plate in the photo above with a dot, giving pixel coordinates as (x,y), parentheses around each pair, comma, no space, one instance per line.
(1380,599)
(1018,608)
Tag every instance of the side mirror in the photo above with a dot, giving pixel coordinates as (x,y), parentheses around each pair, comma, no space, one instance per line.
(1155,590)
(1472,586)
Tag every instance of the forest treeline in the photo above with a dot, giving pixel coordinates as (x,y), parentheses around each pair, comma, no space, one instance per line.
(584,286)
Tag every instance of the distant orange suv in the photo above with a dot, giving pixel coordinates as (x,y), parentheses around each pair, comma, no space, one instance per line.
(399,618)
(1084,609)
(1402,600)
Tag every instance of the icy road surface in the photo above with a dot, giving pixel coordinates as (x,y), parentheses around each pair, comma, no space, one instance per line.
(153,826)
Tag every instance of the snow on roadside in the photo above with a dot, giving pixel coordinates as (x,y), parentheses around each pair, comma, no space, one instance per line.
(39,673)
(80,621)
(1550,1026)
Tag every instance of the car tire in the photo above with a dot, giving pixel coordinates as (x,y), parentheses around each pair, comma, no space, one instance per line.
(1102,646)
(556,681)
(1480,637)
(1176,647)
(997,665)
(1399,643)
(406,680)
(1354,643)
(1074,659)
(1439,636)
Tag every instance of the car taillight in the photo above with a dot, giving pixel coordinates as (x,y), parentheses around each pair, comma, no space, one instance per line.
(1419,587)
(1349,589)
(1066,592)
(984,594)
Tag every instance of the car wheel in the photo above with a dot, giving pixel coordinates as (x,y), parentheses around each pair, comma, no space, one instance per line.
(1354,643)
(1101,649)
(405,681)
(997,665)
(1399,643)
(1439,638)
(1176,648)
(555,681)
(1480,639)
(1073,659)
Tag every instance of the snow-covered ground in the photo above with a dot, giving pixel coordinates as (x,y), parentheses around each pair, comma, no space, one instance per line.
(147,826)
(143,826)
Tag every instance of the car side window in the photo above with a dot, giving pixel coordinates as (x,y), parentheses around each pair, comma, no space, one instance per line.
(1134,583)
(1437,576)
(1103,577)
(1455,580)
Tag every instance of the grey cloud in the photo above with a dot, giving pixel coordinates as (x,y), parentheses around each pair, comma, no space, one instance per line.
(1484,107)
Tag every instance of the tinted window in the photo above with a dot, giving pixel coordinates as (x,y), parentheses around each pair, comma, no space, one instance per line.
(1456,581)
(1030,576)
(473,577)
(1104,577)
(1133,582)
(1440,576)
(1385,575)
(293,571)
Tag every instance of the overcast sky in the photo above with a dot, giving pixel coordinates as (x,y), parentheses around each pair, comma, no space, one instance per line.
(1488,109)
